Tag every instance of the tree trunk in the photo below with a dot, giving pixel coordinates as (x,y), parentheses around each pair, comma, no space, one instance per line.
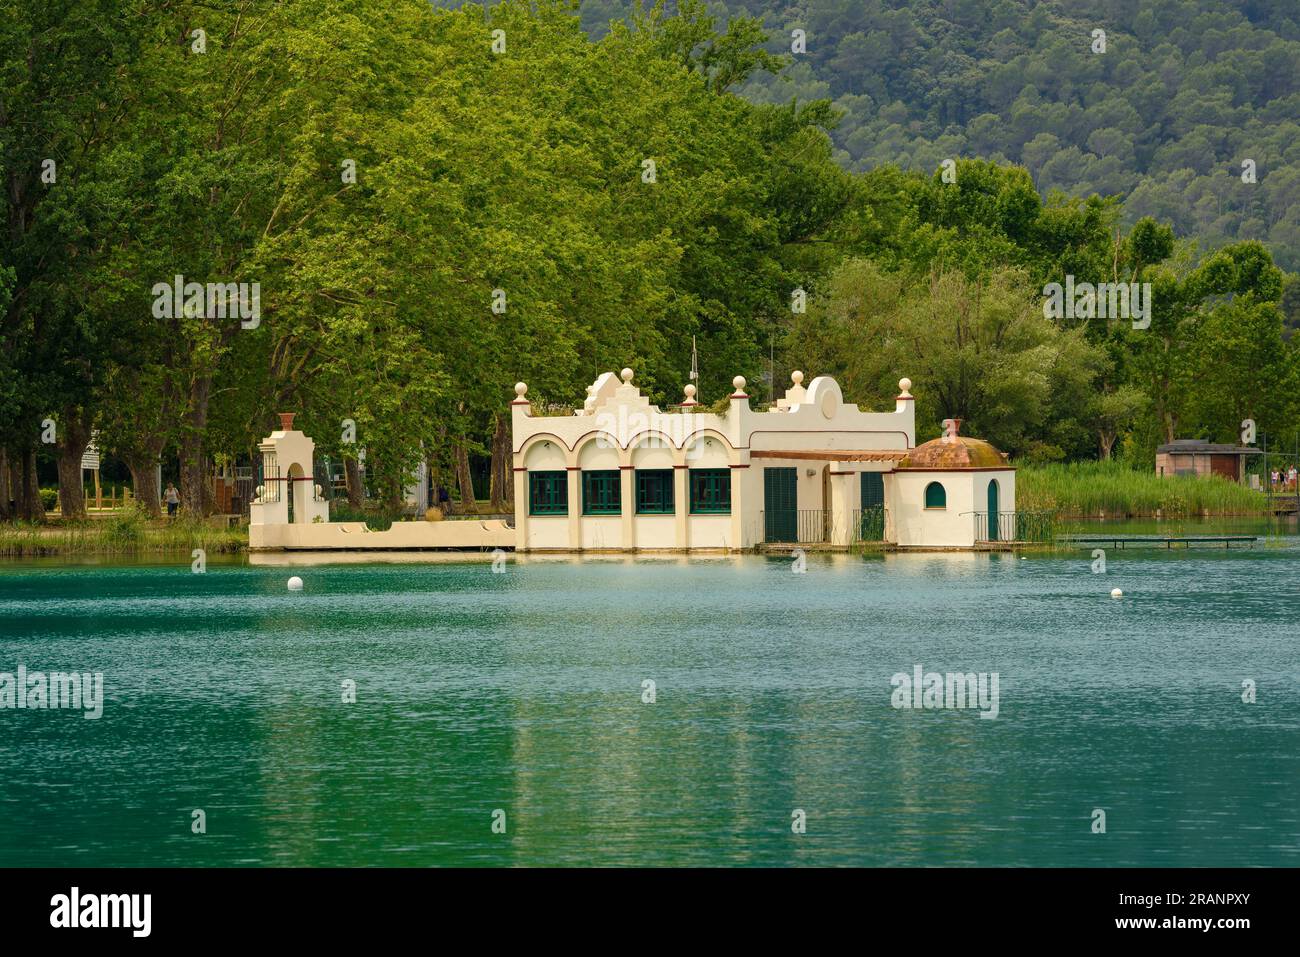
(465,484)
(6,513)
(74,438)
(193,480)
(30,506)
(393,489)
(1106,443)
(15,467)
(72,499)
(142,459)
(431,471)
(356,494)
(144,479)
(501,474)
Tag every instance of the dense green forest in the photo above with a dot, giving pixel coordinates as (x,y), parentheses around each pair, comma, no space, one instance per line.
(1184,93)
(436,203)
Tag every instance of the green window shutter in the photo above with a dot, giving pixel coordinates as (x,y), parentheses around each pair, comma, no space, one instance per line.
(601,492)
(710,491)
(780,504)
(871,525)
(873,489)
(548,493)
(992,520)
(654,492)
(935,496)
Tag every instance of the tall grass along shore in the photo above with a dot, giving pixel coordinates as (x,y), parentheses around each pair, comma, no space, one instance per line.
(1089,489)
(129,531)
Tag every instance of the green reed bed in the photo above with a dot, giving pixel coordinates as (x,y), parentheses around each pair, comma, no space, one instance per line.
(1087,489)
(125,532)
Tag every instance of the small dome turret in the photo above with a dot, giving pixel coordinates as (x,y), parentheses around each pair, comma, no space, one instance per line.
(954,452)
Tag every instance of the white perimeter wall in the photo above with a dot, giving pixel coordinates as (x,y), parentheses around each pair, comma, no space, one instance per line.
(911,524)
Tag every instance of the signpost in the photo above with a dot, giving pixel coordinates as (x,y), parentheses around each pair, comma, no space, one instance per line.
(90,460)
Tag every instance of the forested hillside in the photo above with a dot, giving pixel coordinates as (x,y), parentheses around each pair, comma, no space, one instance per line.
(1184,93)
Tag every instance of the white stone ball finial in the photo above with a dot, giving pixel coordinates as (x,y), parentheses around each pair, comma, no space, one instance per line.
(520,389)
(796,377)
(690,391)
(626,375)
(739,383)
(904,386)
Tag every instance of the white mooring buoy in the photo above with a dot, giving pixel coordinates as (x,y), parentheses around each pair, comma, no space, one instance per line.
(295,583)
(1114,593)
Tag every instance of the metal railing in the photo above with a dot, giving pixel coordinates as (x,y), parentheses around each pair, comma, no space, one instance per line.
(869,524)
(268,479)
(811,526)
(799,526)
(321,487)
(243,489)
(1015,527)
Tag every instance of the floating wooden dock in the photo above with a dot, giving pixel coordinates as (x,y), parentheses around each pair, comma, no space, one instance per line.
(1155,541)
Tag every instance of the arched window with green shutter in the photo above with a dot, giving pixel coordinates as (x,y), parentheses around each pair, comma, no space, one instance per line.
(935,496)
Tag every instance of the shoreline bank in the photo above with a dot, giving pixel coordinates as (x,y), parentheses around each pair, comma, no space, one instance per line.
(118,537)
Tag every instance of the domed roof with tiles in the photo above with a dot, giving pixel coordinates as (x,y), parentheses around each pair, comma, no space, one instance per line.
(954,452)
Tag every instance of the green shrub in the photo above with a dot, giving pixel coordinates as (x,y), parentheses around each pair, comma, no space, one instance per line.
(126,528)
(50,498)
(377,518)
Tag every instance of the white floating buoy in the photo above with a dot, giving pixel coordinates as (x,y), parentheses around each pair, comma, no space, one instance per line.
(1114,593)
(295,583)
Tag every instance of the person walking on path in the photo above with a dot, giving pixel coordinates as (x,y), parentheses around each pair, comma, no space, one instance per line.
(173,500)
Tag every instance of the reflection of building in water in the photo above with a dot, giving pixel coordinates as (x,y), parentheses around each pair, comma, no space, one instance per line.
(623,475)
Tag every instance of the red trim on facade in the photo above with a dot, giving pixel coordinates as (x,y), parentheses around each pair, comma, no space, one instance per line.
(738,448)
(982,468)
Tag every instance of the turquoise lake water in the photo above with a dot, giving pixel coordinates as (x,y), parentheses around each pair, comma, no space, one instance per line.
(522,692)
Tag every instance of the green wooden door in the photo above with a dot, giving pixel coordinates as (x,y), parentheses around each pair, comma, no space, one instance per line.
(993,510)
(872,528)
(780,505)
